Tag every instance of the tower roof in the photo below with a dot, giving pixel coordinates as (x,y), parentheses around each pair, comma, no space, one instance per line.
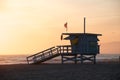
(81,34)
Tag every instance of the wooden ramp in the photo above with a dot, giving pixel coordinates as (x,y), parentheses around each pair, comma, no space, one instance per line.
(43,55)
(48,54)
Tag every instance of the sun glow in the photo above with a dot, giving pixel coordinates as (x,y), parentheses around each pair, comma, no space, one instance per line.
(29,26)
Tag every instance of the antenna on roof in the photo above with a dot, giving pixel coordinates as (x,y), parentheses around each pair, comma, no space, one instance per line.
(84,24)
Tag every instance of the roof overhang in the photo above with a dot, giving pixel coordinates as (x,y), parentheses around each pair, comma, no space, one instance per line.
(81,34)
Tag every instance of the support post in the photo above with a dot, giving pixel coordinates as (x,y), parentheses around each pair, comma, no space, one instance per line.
(62,59)
(94,59)
(76,59)
(119,59)
(81,59)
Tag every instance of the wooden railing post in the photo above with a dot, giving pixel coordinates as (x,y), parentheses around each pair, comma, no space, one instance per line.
(27,61)
(63,49)
(60,50)
(57,51)
(51,51)
(67,49)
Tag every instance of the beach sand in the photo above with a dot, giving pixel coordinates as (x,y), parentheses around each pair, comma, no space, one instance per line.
(99,71)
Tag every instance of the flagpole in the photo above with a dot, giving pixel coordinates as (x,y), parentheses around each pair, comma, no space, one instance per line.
(66,29)
(84,24)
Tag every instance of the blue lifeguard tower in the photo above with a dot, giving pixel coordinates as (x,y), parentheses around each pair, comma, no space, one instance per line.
(83,46)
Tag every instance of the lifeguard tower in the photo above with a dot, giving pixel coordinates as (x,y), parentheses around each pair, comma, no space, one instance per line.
(83,46)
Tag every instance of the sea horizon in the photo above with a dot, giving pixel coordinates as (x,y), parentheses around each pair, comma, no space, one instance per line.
(21,59)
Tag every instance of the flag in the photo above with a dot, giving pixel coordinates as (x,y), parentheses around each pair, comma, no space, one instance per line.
(65,25)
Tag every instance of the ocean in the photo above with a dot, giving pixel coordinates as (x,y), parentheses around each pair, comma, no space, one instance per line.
(21,59)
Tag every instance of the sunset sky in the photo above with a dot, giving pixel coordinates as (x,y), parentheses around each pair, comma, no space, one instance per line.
(29,26)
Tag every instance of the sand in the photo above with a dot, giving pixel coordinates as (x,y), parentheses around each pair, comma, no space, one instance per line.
(99,71)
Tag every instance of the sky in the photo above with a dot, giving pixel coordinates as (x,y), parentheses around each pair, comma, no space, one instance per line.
(30,26)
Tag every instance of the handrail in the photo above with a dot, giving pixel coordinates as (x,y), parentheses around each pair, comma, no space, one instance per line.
(40,55)
(63,45)
(41,52)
